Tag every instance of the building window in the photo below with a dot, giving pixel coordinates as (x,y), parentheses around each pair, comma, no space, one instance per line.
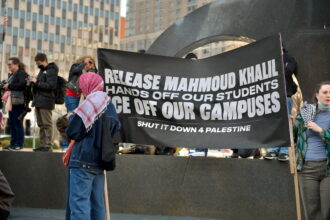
(28,16)
(46,19)
(75,16)
(192,8)
(96,20)
(29,7)
(51,46)
(68,32)
(39,35)
(14,50)
(40,18)
(27,43)
(34,25)
(52,11)
(69,22)
(46,27)
(57,29)
(41,9)
(62,48)
(21,33)
(51,38)
(58,3)
(15,32)
(63,22)
(27,33)
(34,17)
(58,21)
(68,41)
(16,13)
(39,45)
(16,4)
(70,5)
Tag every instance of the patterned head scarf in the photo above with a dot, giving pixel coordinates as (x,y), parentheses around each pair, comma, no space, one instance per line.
(96,102)
(90,82)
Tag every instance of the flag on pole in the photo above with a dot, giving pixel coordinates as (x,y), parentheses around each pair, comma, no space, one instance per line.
(4,20)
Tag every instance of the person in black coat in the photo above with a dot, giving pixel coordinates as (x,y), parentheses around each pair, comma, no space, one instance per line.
(44,99)
(16,84)
(290,69)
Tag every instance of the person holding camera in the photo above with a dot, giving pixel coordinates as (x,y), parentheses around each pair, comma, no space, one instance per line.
(16,85)
(83,65)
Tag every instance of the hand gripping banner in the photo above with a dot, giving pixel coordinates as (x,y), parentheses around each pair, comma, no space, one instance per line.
(233,100)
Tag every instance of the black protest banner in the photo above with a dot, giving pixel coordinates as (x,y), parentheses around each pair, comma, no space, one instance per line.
(233,100)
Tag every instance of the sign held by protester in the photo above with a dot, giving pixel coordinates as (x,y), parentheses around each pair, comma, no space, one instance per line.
(233,100)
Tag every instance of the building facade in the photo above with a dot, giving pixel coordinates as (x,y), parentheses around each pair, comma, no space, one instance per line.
(62,29)
(147,19)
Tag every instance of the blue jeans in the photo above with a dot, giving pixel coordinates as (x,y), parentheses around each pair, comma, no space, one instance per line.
(283,150)
(71,103)
(16,126)
(86,194)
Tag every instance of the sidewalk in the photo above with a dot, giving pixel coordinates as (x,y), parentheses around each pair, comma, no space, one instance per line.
(55,214)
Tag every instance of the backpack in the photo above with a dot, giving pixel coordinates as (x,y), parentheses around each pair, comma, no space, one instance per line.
(60,90)
(108,149)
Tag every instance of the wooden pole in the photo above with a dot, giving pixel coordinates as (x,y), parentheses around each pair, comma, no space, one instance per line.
(293,169)
(106,197)
(34,129)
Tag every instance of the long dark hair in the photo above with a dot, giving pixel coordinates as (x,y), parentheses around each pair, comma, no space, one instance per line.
(317,90)
(16,61)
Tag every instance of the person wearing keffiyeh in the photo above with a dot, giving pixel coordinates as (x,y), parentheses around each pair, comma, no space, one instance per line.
(312,137)
(86,184)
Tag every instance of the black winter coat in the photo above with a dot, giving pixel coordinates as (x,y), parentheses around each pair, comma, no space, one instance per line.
(44,88)
(18,81)
(290,68)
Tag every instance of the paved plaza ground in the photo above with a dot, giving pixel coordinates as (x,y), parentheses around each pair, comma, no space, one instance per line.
(53,214)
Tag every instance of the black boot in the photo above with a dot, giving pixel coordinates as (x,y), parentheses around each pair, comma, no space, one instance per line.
(3,214)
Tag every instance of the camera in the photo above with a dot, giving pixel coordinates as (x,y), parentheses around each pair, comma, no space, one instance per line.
(2,83)
(22,116)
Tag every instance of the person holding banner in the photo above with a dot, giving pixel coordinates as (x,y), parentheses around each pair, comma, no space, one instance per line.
(312,137)
(198,151)
(86,170)
(290,68)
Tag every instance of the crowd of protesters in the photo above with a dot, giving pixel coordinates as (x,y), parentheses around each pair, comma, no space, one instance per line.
(84,125)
